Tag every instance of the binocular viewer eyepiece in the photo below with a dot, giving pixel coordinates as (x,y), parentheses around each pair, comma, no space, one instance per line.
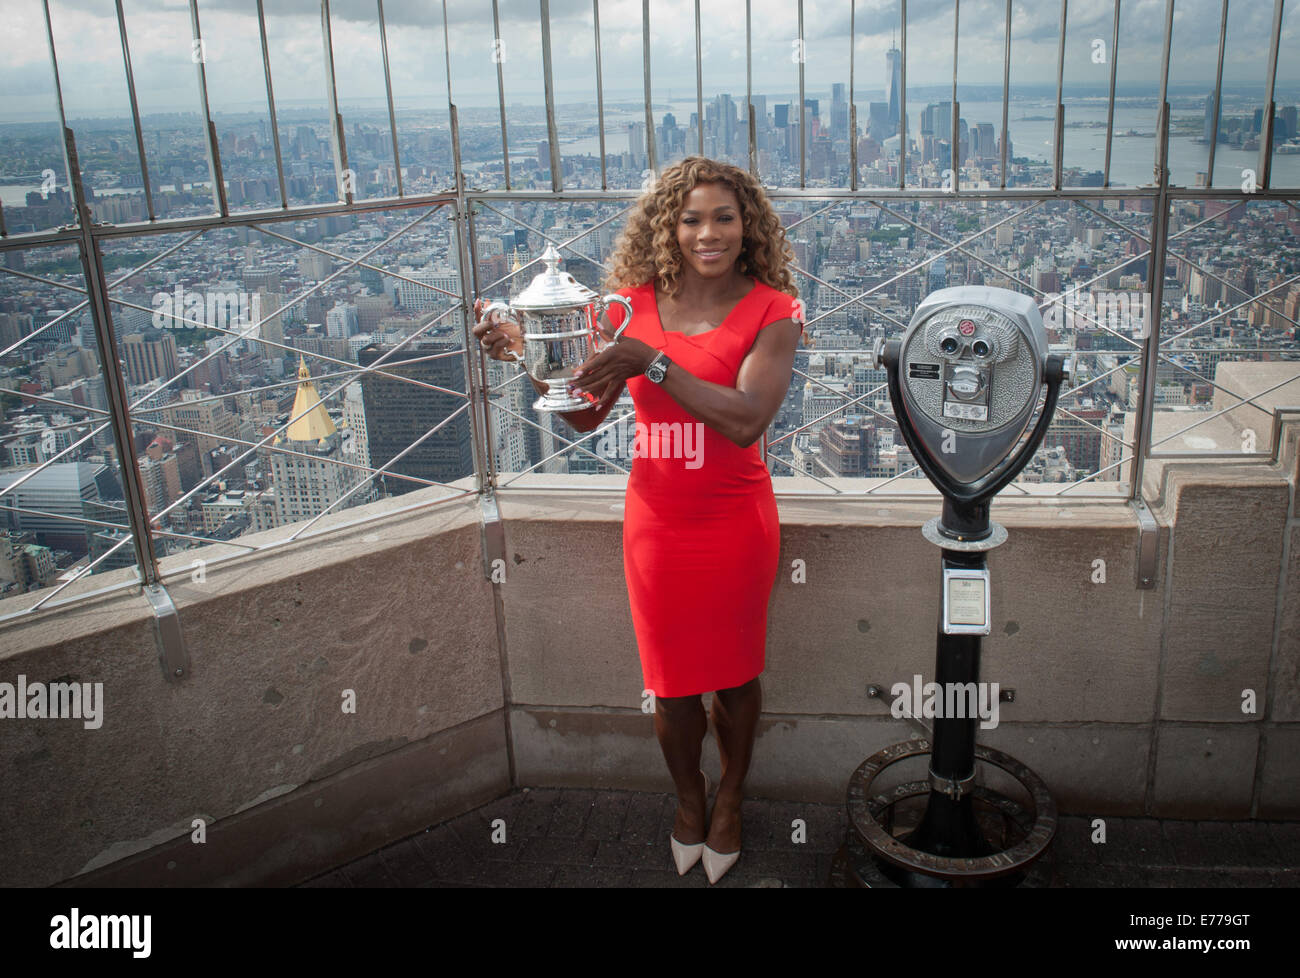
(965,379)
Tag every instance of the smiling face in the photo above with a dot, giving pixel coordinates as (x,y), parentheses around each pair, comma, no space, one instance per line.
(709,231)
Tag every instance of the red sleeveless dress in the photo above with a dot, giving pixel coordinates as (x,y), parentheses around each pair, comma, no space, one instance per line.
(701,537)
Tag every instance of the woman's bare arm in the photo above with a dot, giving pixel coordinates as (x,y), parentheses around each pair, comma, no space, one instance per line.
(741,413)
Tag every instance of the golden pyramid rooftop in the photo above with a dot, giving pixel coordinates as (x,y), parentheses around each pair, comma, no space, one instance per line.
(315,425)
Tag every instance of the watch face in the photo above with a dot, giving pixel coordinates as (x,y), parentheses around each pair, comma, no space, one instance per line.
(655,373)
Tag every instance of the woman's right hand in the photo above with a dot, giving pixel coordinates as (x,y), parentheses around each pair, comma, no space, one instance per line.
(497,336)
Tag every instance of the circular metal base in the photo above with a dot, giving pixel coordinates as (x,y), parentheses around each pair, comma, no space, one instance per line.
(997,536)
(871,818)
(855,866)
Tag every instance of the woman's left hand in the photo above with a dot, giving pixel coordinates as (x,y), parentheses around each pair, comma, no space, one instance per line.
(608,369)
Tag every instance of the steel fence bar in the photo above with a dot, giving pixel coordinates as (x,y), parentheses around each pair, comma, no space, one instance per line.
(58,104)
(388,91)
(853,108)
(146,559)
(1218,93)
(499,56)
(1058,139)
(649,110)
(1006,93)
(1110,98)
(548,89)
(803,121)
(270,104)
(954,151)
(750,121)
(902,99)
(699,83)
(135,109)
(600,93)
(209,127)
(338,139)
(1265,168)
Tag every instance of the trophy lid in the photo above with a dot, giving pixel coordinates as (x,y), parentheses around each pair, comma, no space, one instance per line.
(553,289)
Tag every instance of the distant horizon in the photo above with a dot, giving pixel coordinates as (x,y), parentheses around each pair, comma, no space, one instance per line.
(490,99)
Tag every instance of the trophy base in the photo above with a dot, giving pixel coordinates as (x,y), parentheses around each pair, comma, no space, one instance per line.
(557,399)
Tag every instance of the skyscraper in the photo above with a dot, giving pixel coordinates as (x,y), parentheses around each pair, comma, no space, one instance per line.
(399,414)
(894,83)
(636,145)
(726,123)
(936,120)
(306,480)
(839,111)
(150,355)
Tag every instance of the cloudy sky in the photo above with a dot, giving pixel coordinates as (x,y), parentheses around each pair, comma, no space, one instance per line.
(90,61)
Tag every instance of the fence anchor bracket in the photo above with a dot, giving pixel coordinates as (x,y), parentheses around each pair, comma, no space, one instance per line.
(1148,545)
(172,655)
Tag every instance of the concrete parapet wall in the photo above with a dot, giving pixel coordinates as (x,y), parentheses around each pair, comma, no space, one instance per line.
(256,742)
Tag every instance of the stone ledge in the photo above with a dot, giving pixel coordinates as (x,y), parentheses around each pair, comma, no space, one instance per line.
(290,838)
(235,568)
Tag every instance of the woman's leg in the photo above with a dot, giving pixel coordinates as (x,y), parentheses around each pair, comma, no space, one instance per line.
(680,723)
(735,719)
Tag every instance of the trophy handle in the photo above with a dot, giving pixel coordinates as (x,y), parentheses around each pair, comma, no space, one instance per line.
(504,307)
(623,301)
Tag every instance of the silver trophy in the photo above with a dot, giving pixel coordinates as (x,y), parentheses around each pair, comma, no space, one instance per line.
(557,315)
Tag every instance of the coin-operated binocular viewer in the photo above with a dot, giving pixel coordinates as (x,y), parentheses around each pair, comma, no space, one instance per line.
(965,379)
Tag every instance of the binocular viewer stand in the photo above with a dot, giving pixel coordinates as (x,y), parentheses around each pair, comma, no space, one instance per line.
(969,835)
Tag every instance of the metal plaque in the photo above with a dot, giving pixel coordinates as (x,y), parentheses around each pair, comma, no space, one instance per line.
(965,601)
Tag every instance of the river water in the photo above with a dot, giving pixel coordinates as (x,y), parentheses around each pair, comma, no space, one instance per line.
(1030,127)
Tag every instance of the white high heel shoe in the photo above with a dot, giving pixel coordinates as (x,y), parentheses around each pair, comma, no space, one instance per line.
(684,856)
(716,864)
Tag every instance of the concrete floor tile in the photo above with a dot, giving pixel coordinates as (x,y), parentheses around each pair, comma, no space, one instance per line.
(592,877)
(563,852)
(1073,842)
(608,812)
(571,810)
(644,814)
(406,864)
(1135,841)
(668,878)
(633,855)
(369,872)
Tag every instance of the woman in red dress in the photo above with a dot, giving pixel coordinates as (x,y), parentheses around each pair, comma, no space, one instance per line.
(707,359)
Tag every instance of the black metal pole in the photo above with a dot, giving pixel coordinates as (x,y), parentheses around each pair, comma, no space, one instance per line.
(948,827)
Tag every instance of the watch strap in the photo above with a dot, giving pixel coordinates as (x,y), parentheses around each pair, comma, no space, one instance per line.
(658,365)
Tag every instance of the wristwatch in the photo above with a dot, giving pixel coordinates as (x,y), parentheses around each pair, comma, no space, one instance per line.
(658,367)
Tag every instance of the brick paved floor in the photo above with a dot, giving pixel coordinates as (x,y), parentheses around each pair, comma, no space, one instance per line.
(558,837)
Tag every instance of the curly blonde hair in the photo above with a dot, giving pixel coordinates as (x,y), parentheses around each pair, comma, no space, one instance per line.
(647,247)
